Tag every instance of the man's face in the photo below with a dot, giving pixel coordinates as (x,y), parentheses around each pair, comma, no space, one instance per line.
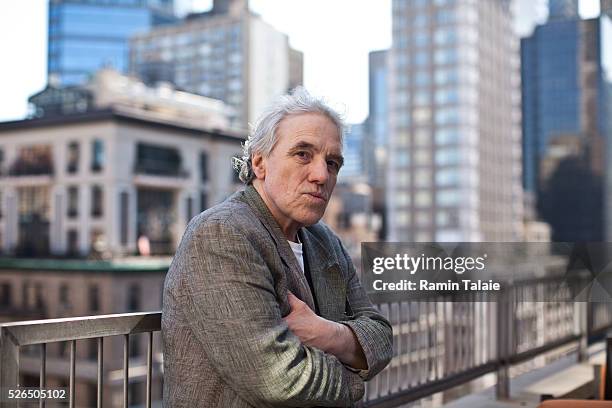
(297,178)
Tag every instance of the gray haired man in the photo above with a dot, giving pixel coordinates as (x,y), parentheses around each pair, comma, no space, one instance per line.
(262,306)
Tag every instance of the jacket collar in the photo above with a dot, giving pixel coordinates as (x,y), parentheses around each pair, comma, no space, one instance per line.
(254,200)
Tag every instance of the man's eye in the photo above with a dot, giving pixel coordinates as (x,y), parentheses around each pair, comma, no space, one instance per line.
(302,155)
(333,164)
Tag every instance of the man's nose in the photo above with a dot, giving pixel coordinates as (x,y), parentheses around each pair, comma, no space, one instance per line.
(319,172)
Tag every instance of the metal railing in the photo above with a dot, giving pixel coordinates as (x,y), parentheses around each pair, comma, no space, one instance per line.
(439,343)
(13,336)
(445,341)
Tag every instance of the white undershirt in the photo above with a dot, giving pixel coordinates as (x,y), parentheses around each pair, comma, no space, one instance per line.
(297,251)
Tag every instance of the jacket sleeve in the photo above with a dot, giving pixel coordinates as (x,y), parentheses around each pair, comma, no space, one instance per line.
(372,329)
(231,302)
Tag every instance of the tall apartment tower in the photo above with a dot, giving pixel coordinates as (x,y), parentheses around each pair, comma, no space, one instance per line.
(454,154)
(562,9)
(86,35)
(227,53)
(566,123)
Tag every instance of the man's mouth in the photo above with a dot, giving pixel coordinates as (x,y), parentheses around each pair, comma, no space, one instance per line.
(318,196)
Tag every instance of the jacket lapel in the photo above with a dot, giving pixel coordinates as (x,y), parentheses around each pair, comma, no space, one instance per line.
(327,280)
(297,282)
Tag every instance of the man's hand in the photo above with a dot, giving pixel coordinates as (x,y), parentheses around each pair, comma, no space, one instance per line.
(331,337)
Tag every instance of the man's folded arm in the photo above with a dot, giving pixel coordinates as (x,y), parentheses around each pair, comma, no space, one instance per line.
(232,306)
(373,330)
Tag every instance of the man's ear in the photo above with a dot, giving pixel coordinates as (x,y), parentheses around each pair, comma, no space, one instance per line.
(259,166)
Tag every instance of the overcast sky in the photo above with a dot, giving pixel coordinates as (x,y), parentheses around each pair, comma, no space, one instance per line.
(335,36)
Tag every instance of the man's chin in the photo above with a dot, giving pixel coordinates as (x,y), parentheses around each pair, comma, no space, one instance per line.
(309,220)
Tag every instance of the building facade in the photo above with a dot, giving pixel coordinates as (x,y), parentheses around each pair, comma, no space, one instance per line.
(86,35)
(94,183)
(565,122)
(47,289)
(454,153)
(227,53)
(377,122)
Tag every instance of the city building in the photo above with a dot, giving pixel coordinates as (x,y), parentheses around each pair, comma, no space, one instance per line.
(562,10)
(94,183)
(108,88)
(86,35)
(227,53)
(606,7)
(353,170)
(46,289)
(377,123)
(454,152)
(349,214)
(566,121)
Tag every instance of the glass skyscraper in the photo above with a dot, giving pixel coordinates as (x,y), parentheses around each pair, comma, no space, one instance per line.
(378,117)
(551,91)
(566,123)
(85,35)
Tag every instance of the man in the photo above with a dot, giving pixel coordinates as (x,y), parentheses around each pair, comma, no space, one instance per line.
(262,306)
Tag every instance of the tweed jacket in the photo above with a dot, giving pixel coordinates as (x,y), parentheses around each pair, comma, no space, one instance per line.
(225,343)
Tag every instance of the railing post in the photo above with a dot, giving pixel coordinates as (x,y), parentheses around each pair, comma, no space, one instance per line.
(505,321)
(581,318)
(9,365)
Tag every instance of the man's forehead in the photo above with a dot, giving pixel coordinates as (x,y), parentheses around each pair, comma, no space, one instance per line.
(314,129)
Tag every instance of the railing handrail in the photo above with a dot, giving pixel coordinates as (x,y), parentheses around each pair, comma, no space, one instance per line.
(30,332)
(24,333)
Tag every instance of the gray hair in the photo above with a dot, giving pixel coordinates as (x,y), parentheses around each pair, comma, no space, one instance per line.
(263,135)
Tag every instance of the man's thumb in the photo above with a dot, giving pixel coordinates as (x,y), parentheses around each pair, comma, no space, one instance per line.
(292,299)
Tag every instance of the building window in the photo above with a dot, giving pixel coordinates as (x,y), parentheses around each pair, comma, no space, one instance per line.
(448,198)
(422,218)
(204,166)
(158,160)
(124,214)
(447,157)
(73,201)
(64,295)
(38,296)
(133,304)
(5,295)
(73,158)
(94,298)
(33,161)
(97,155)
(422,199)
(73,242)
(447,136)
(422,78)
(422,178)
(25,295)
(447,177)
(203,201)
(97,201)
